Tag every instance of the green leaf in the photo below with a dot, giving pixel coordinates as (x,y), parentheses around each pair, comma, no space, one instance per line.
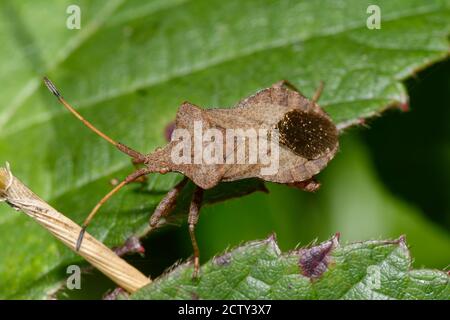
(132,63)
(258,270)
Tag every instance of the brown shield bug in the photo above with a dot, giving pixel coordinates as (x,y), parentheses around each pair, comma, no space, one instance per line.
(296,136)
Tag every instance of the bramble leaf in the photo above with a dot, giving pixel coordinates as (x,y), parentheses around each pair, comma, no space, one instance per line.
(259,270)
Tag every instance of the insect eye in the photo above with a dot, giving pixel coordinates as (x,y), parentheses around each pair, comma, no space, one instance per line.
(307,134)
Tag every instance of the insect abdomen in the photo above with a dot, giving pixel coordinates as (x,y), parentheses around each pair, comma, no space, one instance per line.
(307,134)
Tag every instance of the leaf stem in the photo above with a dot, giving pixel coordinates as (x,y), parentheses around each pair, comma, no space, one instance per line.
(21,198)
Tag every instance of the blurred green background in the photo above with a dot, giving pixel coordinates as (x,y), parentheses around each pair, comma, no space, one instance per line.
(133,63)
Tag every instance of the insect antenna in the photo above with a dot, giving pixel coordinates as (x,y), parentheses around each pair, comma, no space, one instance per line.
(125,149)
(130,178)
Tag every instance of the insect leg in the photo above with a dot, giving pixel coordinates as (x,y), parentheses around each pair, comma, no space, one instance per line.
(318,92)
(167,203)
(311,185)
(285,84)
(194,212)
(125,149)
(128,179)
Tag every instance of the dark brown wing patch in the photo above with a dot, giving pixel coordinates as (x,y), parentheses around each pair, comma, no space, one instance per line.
(307,134)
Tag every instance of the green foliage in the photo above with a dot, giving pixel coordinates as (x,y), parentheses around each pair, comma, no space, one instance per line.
(131,65)
(258,270)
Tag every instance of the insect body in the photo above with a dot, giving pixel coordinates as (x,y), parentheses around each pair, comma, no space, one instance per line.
(305,141)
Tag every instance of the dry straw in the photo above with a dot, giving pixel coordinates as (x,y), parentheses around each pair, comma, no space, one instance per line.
(18,196)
